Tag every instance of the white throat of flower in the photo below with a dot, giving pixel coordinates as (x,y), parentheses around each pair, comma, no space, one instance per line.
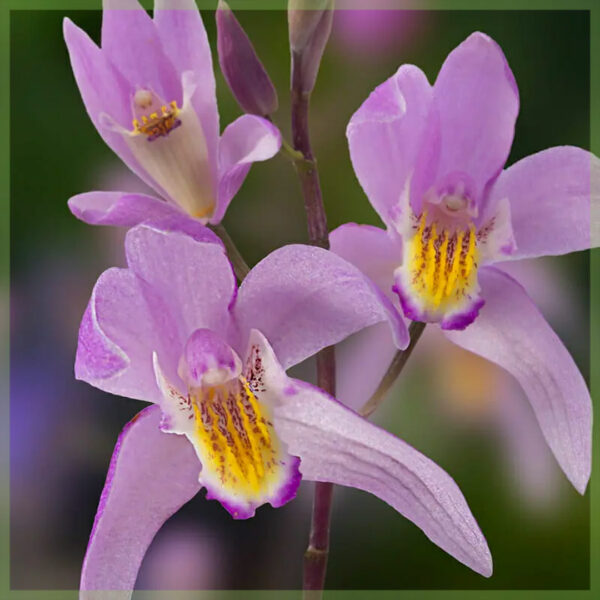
(169,143)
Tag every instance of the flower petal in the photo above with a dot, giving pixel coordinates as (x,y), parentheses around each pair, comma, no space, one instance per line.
(104,91)
(151,475)
(304,298)
(248,139)
(194,277)
(511,332)
(183,37)
(371,249)
(131,43)
(361,361)
(117,208)
(384,135)
(336,445)
(475,103)
(124,323)
(127,210)
(554,200)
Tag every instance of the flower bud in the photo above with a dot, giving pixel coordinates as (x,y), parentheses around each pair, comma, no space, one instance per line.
(245,75)
(309,26)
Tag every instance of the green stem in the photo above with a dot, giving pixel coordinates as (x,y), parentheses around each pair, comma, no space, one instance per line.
(398,362)
(240,267)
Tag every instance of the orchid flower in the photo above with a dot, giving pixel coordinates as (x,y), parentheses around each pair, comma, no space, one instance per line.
(172,329)
(150,92)
(430,159)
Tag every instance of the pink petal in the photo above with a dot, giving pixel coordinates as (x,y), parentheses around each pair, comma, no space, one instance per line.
(185,43)
(336,445)
(511,332)
(475,104)
(131,43)
(194,279)
(361,361)
(127,210)
(151,475)
(248,139)
(384,136)
(124,323)
(304,298)
(104,91)
(553,196)
(375,252)
(118,208)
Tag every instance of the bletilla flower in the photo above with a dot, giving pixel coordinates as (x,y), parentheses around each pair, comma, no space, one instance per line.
(150,92)
(430,160)
(173,329)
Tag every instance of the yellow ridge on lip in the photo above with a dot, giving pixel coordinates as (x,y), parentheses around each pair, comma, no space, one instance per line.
(441,266)
(235,438)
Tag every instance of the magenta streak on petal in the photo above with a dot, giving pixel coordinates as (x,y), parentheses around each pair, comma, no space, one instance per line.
(459,320)
(245,510)
(289,490)
(97,357)
(411,311)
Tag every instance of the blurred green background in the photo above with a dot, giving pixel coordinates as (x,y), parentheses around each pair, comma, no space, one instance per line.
(63,431)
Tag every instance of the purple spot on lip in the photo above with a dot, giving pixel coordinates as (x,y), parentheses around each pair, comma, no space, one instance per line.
(463,320)
(410,310)
(159,134)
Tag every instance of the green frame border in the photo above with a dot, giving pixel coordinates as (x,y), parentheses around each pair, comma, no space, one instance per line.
(5,7)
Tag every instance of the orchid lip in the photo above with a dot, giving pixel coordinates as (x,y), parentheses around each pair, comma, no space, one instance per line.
(244,464)
(439,274)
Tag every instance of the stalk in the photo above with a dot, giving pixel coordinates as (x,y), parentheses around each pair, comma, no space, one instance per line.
(316,555)
(393,372)
(240,267)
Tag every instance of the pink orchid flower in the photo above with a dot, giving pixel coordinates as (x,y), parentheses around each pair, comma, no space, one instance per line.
(430,159)
(174,330)
(150,92)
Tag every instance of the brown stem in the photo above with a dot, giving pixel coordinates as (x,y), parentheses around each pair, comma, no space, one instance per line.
(315,557)
(415,330)
(307,167)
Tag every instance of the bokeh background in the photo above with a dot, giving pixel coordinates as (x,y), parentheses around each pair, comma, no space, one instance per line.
(465,414)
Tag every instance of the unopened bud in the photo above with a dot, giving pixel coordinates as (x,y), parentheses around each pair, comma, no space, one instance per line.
(309,25)
(245,74)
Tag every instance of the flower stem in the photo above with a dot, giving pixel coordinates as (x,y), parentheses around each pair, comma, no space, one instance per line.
(240,267)
(308,172)
(315,557)
(415,330)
